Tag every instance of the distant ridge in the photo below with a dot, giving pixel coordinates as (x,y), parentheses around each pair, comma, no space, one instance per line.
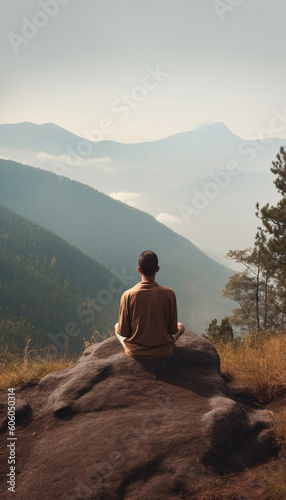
(211,144)
(53,139)
(163,176)
(115,234)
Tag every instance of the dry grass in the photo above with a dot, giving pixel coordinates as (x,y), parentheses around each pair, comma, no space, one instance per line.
(32,367)
(276,487)
(15,370)
(259,362)
(280,420)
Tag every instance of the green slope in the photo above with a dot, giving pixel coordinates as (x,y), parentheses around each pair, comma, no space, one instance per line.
(115,234)
(44,286)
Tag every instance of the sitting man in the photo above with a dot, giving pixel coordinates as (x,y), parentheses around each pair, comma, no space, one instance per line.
(147,326)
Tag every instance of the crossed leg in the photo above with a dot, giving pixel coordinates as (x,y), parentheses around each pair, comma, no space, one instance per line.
(121,339)
(180,332)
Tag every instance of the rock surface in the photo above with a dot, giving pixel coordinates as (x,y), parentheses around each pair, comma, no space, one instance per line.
(113,427)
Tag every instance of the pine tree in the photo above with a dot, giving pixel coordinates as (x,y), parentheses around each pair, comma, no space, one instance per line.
(260,289)
(223,332)
(274,217)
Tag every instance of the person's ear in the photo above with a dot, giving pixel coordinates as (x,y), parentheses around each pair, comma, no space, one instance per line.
(139,269)
(158,269)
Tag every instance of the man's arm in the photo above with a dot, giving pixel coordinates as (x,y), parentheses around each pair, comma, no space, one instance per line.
(173,320)
(124,324)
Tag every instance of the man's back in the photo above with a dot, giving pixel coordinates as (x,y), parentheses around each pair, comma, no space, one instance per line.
(148,318)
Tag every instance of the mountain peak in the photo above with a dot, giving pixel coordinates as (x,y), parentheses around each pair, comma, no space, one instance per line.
(217,127)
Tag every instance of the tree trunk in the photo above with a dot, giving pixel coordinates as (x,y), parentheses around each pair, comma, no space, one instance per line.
(283,313)
(257,300)
(266,303)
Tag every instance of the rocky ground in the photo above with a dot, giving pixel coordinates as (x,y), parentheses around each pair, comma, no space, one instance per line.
(113,427)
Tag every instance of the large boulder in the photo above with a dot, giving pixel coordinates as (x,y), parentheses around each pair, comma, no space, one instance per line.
(113,427)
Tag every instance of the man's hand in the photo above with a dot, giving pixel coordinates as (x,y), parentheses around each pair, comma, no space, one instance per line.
(181,329)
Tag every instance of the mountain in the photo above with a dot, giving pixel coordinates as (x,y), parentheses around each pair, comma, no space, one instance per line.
(213,142)
(115,234)
(216,212)
(159,176)
(48,137)
(44,286)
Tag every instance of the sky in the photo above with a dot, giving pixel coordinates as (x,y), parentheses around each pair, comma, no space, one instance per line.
(138,70)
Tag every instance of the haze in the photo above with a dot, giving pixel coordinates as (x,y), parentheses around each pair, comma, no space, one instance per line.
(223,61)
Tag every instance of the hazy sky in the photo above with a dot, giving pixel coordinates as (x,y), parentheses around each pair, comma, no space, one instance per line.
(221,60)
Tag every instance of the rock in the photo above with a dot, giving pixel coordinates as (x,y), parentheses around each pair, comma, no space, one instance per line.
(22,408)
(121,428)
(22,411)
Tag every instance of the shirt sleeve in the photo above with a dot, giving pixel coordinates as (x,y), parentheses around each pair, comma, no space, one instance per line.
(124,324)
(173,320)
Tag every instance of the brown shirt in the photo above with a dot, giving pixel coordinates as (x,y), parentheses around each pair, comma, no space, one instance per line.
(148,318)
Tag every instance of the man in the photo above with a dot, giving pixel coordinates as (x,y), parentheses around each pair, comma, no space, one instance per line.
(147,326)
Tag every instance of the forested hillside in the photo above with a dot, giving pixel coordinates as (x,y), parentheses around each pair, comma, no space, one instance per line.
(45,284)
(115,234)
